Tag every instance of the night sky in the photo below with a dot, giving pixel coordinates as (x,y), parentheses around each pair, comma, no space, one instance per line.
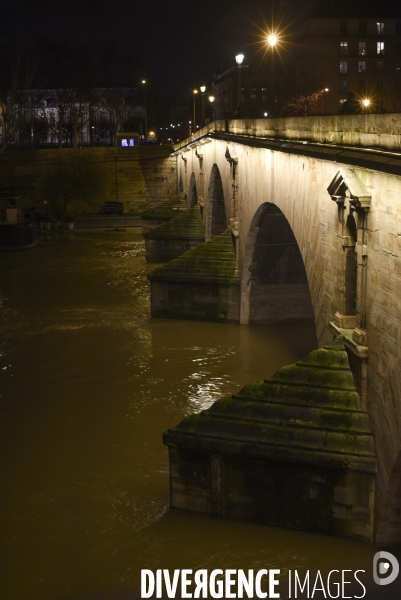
(179,44)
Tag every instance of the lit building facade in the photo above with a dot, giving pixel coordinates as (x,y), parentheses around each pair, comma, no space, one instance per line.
(352,47)
(70,117)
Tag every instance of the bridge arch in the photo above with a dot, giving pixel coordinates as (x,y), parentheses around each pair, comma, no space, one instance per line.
(192,198)
(274,282)
(216,216)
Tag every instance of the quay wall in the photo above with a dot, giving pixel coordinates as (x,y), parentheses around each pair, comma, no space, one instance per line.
(139,177)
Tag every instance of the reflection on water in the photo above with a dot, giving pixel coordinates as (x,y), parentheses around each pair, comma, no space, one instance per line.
(88,385)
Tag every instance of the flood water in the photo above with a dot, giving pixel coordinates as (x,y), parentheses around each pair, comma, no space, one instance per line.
(89,383)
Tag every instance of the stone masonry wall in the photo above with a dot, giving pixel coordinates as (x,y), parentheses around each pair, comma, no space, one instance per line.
(145,175)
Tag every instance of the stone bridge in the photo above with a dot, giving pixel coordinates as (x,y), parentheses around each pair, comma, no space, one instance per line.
(311,211)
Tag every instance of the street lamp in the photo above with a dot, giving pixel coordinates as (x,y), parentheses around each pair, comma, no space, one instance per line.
(203,90)
(239,59)
(323,92)
(366,103)
(144,82)
(194,122)
(211,100)
(272,40)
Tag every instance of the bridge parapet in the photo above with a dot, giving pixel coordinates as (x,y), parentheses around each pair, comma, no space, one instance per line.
(367,130)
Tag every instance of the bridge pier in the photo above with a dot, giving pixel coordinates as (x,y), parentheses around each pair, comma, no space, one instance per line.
(295,450)
(175,237)
(201,284)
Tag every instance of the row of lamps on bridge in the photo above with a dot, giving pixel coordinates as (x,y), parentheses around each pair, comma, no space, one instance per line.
(272,41)
(202,90)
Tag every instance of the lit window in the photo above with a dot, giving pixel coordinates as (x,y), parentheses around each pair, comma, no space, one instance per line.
(253,98)
(362,66)
(344,28)
(380,65)
(343,85)
(380,28)
(343,66)
(264,89)
(362,29)
(362,48)
(380,47)
(343,48)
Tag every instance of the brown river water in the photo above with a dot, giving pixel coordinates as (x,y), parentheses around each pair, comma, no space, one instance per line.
(89,382)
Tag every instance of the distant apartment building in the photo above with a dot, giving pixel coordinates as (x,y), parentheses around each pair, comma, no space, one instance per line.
(352,46)
(254,99)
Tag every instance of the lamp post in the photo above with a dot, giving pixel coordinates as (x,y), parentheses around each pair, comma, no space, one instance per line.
(203,90)
(239,59)
(211,100)
(194,121)
(324,91)
(144,82)
(272,40)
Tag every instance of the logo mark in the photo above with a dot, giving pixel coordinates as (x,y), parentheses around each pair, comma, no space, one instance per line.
(388,564)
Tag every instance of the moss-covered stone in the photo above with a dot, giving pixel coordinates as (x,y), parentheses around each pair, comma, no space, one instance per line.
(165,210)
(184,225)
(213,260)
(306,420)
(175,236)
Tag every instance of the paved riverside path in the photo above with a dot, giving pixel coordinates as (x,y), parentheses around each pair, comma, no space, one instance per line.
(100,221)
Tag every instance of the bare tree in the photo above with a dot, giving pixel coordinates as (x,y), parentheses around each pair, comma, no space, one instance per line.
(65,85)
(16,73)
(118,103)
(304,105)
